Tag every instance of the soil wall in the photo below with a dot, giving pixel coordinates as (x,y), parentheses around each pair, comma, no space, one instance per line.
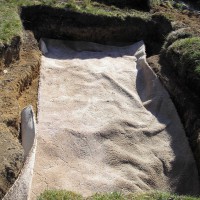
(186,102)
(9,53)
(20,67)
(64,24)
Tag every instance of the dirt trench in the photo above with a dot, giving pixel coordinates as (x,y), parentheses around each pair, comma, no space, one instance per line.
(20,63)
(63,24)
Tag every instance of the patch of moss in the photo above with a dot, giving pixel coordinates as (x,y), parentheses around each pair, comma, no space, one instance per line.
(65,195)
(170,4)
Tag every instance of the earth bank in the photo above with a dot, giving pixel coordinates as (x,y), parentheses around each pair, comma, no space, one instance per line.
(19,83)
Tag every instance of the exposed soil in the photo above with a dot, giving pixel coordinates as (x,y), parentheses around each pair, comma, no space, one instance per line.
(181,19)
(9,53)
(16,82)
(64,24)
(29,96)
(187,102)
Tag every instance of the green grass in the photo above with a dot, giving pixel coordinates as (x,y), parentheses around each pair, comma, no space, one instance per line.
(177,35)
(65,195)
(184,56)
(189,54)
(10,23)
(59,195)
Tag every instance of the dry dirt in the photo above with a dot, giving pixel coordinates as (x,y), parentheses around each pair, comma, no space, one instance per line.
(29,96)
(18,86)
(181,18)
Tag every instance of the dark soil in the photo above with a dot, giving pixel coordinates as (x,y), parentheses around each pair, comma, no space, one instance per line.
(64,24)
(186,102)
(9,53)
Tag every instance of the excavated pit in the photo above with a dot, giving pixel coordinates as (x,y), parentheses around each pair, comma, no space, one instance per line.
(93,132)
(48,22)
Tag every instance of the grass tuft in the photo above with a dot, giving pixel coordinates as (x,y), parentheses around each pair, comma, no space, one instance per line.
(108,196)
(184,56)
(65,195)
(59,195)
(189,52)
(176,35)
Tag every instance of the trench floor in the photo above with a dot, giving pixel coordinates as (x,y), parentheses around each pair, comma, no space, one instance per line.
(105,123)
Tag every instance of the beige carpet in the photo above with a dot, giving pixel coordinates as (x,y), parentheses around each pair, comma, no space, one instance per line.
(107,124)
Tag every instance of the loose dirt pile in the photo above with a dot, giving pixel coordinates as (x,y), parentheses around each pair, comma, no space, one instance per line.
(107,124)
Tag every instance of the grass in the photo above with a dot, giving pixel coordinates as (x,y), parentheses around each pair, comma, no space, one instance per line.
(184,56)
(176,35)
(189,53)
(66,195)
(59,195)
(11,26)
(10,23)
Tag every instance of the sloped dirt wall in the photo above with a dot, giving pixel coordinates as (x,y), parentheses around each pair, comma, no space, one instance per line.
(15,79)
(9,53)
(64,24)
(186,102)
